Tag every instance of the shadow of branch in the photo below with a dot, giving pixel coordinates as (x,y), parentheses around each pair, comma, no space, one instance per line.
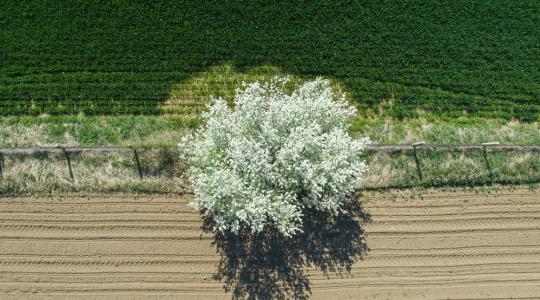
(269,266)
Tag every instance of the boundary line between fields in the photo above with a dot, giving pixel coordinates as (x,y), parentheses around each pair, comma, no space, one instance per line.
(373,148)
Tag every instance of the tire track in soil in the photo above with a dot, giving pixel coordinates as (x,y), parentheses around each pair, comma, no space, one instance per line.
(443,245)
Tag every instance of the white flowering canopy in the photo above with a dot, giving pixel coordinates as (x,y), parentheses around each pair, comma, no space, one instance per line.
(272,156)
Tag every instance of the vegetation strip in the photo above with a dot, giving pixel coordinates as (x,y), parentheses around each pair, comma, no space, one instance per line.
(372,147)
(43,169)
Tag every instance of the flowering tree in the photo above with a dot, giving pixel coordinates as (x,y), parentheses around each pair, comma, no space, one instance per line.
(273,156)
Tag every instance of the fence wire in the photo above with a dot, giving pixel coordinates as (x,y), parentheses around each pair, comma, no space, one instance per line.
(396,160)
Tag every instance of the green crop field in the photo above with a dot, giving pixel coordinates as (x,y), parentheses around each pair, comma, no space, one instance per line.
(400,59)
(138,73)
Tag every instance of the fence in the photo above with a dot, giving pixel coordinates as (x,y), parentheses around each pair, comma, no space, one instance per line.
(413,151)
(489,161)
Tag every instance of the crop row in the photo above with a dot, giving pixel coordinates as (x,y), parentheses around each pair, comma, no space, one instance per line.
(463,57)
(127,97)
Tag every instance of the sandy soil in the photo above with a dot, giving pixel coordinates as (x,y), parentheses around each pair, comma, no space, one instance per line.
(441,246)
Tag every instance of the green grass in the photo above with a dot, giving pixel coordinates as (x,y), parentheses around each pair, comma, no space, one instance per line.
(166,131)
(142,131)
(402,59)
(110,171)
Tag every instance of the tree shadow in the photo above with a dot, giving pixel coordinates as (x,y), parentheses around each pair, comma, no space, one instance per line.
(269,266)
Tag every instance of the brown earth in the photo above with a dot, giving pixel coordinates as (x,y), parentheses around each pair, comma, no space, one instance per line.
(459,245)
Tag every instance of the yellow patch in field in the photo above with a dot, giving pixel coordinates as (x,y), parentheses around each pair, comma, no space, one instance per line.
(192,95)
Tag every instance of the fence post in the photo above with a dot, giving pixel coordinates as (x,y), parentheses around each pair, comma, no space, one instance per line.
(416,160)
(488,165)
(68,160)
(136,157)
(2,166)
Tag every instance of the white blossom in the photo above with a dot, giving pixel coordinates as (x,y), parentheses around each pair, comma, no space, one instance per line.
(272,156)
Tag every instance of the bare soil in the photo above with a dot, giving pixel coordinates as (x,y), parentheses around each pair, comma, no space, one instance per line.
(459,245)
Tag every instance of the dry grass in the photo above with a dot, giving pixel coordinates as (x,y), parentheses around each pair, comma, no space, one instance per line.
(96,172)
(162,170)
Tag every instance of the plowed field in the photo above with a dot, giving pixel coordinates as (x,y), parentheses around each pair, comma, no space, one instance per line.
(441,246)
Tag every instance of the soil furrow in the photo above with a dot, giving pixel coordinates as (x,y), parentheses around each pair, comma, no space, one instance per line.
(440,245)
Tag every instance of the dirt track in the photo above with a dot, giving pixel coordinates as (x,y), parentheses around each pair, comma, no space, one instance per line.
(444,246)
